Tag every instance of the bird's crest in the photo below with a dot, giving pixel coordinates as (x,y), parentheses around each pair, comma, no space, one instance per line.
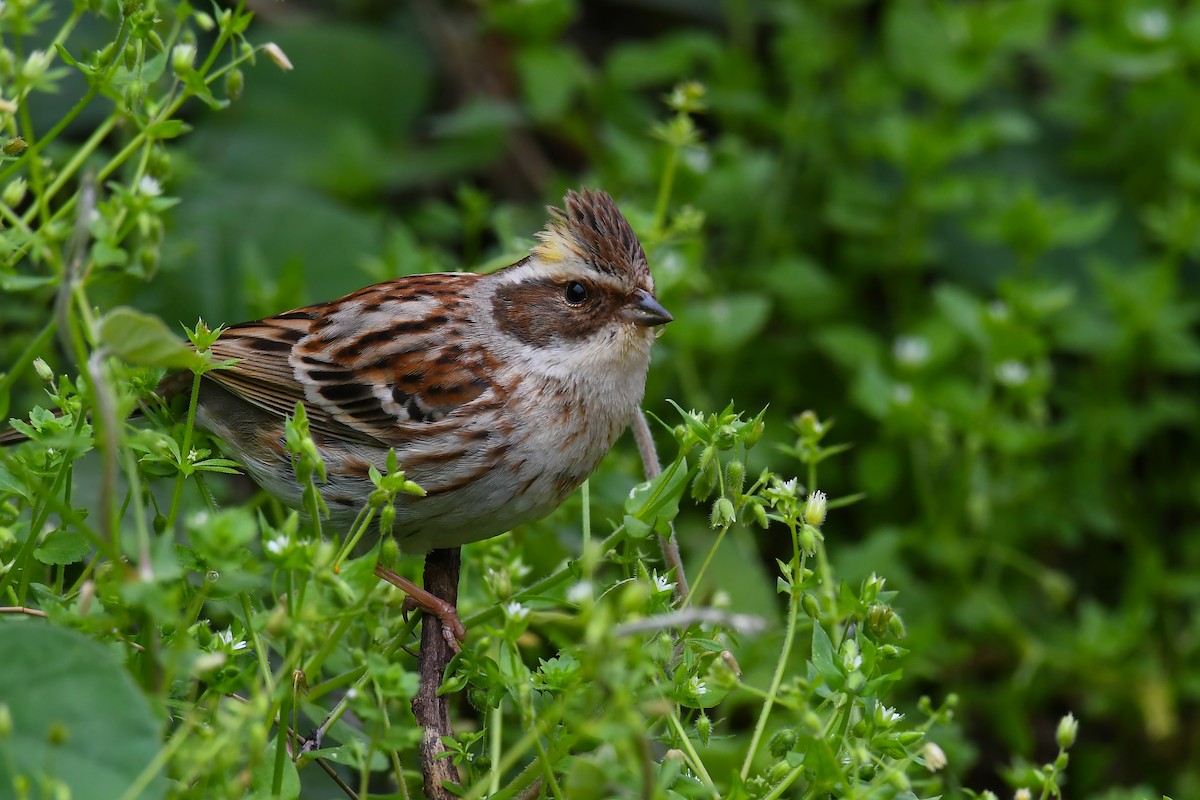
(591,227)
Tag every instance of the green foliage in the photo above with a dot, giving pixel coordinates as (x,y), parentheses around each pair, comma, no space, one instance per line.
(968,231)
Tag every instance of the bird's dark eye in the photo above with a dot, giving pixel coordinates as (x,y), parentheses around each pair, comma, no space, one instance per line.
(575,293)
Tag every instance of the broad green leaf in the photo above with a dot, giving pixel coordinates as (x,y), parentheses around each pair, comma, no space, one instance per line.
(168,129)
(823,658)
(62,547)
(146,340)
(77,716)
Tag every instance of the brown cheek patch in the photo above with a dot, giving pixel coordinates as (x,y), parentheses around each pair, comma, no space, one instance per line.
(536,314)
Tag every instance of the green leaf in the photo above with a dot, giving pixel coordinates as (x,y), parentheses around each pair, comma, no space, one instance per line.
(636,528)
(167,129)
(822,657)
(146,340)
(63,547)
(69,60)
(725,323)
(24,283)
(77,716)
(199,88)
(963,310)
(264,774)
(659,499)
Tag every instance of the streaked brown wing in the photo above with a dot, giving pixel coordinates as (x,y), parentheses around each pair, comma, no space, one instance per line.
(387,362)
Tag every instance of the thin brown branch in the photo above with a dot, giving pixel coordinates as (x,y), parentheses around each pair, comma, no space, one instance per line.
(32,612)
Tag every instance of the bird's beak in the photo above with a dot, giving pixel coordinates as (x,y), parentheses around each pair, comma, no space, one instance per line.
(646,310)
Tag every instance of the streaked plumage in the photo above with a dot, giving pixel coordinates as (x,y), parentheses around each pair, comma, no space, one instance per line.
(499,393)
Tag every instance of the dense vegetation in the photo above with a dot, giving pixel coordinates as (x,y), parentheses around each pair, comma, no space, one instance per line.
(966,233)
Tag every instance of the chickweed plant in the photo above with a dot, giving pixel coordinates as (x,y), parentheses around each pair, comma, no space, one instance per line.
(166,634)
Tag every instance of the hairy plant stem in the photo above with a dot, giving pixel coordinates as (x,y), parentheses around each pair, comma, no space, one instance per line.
(785,653)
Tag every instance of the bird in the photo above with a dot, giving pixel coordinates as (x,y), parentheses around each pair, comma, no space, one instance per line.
(500,393)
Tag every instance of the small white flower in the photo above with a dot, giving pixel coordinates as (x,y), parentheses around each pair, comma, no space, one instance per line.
(35,64)
(1012,373)
(696,687)
(815,508)
(1152,24)
(515,611)
(197,519)
(697,158)
(193,456)
(1022,794)
(183,56)
(579,592)
(889,715)
(149,186)
(661,584)
(226,639)
(935,758)
(911,351)
(277,545)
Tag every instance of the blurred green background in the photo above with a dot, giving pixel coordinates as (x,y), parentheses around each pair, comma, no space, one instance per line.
(967,231)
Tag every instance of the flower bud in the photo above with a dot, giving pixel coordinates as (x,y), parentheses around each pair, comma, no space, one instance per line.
(235,81)
(814,508)
(760,515)
(811,605)
(1068,727)
(735,476)
(203,21)
(277,56)
(723,514)
(389,553)
(809,425)
(705,481)
(14,193)
(57,734)
(808,540)
(1061,761)
(43,370)
(703,728)
(935,758)
(14,146)
(183,56)
(731,663)
(781,742)
(6,723)
(135,93)
(755,434)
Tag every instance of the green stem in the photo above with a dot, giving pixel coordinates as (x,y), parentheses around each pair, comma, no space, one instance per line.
(785,653)
(665,187)
(184,453)
(685,743)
